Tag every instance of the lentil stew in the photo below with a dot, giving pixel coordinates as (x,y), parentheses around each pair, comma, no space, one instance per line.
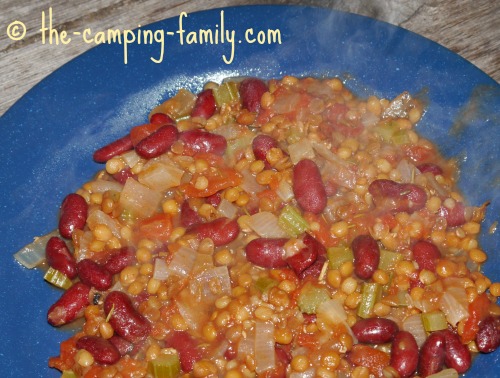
(272,229)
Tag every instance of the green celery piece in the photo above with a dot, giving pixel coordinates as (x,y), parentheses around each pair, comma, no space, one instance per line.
(402,298)
(339,255)
(57,279)
(263,284)
(434,321)
(388,260)
(165,366)
(292,222)
(226,93)
(68,374)
(400,137)
(311,297)
(386,130)
(371,293)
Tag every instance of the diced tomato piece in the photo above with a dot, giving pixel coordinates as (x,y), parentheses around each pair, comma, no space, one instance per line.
(66,357)
(374,359)
(322,234)
(479,309)
(219,178)
(140,132)
(419,154)
(158,227)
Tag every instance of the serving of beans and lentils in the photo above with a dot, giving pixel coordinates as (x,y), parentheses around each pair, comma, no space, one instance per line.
(281,228)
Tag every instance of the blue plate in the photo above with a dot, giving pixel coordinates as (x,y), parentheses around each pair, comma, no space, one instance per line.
(49,135)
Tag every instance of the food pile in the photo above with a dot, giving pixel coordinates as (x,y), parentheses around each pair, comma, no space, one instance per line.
(272,229)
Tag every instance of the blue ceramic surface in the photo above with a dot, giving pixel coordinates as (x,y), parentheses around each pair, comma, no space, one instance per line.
(48,136)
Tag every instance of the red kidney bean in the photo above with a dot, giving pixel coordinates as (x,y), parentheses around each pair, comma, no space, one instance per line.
(103,351)
(311,242)
(125,319)
(432,354)
(282,359)
(119,259)
(124,347)
(118,147)
(375,330)
(189,217)
(366,256)
(161,119)
(266,252)
(199,141)
(488,336)
(221,230)
(261,145)
(404,354)
(454,217)
(60,258)
(74,210)
(231,352)
(70,306)
(308,186)
(186,346)
(205,105)
(302,260)
(396,197)
(314,270)
(94,275)
(307,256)
(158,142)
(251,91)
(214,199)
(431,168)
(457,355)
(425,254)
(123,175)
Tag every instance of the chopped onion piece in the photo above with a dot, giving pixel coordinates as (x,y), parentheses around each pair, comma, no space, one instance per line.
(309,373)
(250,184)
(33,254)
(303,149)
(183,261)
(97,217)
(131,158)
(138,199)
(160,271)
(414,325)
(407,171)
(452,305)
(285,191)
(227,209)
(332,313)
(286,103)
(246,345)
(266,225)
(160,177)
(211,284)
(101,186)
(230,131)
(431,180)
(265,358)
(369,119)
(194,312)
(81,241)
(339,171)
